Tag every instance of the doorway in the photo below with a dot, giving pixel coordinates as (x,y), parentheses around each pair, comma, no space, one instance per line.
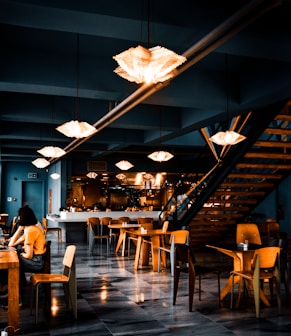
(33,195)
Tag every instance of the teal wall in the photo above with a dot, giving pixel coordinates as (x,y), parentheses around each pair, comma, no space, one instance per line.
(276,205)
(12,176)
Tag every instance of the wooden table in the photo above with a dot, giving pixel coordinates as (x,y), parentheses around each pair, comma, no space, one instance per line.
(9,260)
(122,234)
(155,236)
(241,261)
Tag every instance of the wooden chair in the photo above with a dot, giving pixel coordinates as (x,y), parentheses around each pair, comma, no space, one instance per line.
(67,278)
(248,232)
(46,269)
(52,229)
(107,221)
(185,262)
(97,231)
(147,224)
(177,237)
(265,266)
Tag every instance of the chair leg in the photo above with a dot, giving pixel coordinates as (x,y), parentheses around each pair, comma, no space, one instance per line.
(172,257)
(176,285)
(199,279)
(191,288)
(36,303)
(278,288)
(128,247)
(159,260)
(218,286)
(232,289)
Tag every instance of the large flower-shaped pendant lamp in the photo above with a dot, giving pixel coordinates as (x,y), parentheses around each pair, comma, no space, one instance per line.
(142,65)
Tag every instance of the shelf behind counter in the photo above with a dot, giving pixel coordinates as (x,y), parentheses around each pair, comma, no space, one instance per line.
(73,224)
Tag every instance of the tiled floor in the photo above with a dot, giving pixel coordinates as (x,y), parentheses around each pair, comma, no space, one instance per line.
(113,299)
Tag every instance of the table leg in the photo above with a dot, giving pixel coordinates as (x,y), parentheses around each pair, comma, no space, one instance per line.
(144,257)
(13,297)
(121,239)
(137,252)
(228,286)
(155,251)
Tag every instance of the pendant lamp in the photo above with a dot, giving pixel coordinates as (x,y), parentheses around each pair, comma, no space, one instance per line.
(147,65)
(160,155)
(229,137)
(121,176)
(142,65)
(51,151)
(92,175)
(40,163)
(55,176)
(124,165)
(77,129)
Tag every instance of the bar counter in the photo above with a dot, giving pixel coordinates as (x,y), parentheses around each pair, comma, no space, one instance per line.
(73,224)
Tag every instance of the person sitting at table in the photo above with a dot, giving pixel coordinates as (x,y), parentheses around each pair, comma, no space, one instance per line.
(30,242)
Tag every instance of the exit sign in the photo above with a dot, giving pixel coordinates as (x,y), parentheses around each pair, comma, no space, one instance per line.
(32,175)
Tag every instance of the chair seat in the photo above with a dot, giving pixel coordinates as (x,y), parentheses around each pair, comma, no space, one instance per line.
(47,278)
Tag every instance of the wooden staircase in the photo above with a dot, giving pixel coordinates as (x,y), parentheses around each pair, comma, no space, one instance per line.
(246,174)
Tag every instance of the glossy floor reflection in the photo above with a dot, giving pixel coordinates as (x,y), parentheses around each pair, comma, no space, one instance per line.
(113,299)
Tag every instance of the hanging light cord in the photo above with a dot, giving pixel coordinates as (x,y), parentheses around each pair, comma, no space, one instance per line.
(149,23)
(77,76)
(227,87)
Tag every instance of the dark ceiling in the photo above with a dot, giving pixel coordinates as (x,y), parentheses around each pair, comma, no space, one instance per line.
(235,49)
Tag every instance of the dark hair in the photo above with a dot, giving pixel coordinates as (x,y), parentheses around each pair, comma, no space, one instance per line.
(26,216)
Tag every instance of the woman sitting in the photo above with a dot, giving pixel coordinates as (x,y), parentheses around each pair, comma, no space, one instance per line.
(30,236)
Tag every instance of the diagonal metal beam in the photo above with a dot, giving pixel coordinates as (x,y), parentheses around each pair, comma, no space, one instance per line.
(237,22)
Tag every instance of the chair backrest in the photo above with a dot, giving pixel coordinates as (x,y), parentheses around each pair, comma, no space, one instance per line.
(93,224)
(249,232)
(165,226)
(115,221)
(145,220)
(123,219)
(44,224)
(97,227)
(93,220)
(105,220)
(179,237)
(268,256)
(181,253)
(69,259)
